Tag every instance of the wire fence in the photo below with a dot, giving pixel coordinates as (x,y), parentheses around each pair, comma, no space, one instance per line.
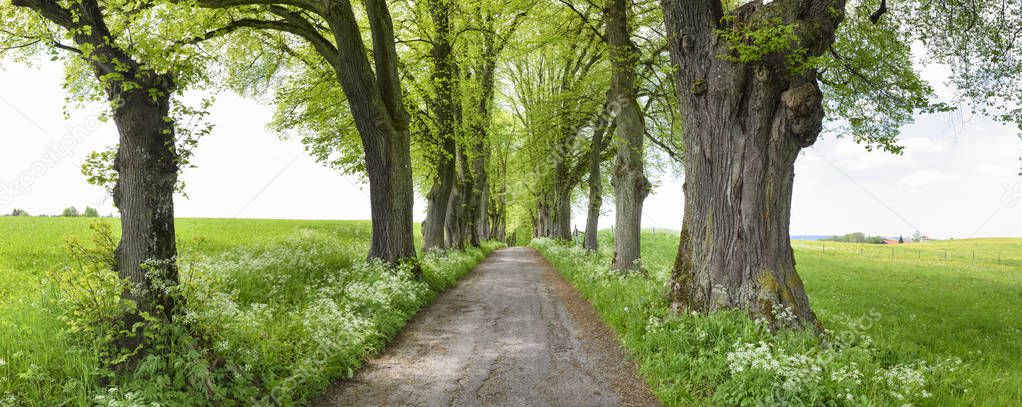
(916,252)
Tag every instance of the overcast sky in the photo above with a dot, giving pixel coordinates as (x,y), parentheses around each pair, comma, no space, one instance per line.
(958,176)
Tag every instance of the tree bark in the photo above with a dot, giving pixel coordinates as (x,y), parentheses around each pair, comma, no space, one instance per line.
(745,123)
(146,164)
(457,209)
(374,97)
(437,202)
(147,167)
(443,105)
(561,216)
(595,190)
(629,178)
(480,223)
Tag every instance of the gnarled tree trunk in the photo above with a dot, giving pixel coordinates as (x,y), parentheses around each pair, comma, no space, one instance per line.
(147,167)
(629,178)
(745,123)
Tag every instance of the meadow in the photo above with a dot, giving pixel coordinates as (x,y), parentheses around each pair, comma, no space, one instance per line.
(935,323)
(275,310)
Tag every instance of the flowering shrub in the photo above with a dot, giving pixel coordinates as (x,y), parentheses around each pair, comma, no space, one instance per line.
(271,324)
(727,359)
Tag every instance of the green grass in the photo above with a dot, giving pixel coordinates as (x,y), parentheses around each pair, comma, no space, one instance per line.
(275,311)
(971,309)
(915,312)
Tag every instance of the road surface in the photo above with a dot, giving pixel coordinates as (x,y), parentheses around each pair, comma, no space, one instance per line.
(511,333)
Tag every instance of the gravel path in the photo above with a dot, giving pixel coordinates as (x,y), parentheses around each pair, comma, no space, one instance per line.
(511,333)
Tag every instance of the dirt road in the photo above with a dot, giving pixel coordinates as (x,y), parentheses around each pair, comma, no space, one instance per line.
(512,333)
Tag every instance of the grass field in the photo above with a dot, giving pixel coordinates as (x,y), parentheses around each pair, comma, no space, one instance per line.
(275,311)
(913,314)
(963,307)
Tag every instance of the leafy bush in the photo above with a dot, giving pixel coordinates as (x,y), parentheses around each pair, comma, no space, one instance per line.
(726,358)
(271,324)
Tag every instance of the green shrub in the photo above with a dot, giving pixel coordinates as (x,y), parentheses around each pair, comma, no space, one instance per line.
(270,324)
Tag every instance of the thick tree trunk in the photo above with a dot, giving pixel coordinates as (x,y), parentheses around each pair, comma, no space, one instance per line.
(629,178)
(147,167)
(595,191)
(454,238)
(456,212)
(745,124)
(443,106)
(561,225)
(543,218)
(375,100)
(396,243)
(438,200)
(391,200)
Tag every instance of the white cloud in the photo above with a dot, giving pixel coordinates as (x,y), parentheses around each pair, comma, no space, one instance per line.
(922,145)
(922,178)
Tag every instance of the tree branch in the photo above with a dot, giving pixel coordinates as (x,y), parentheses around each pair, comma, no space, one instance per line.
(50,10)
(873,18)
(302,4)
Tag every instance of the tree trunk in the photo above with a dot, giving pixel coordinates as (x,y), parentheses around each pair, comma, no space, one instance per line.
(454,238)
(629,178)
(438,200)
(147,167)
(561,225)
(745,124)
(456,208)
(481,226)
(391,200)
(375,100)
(542,218)
(595,190)
(443,106)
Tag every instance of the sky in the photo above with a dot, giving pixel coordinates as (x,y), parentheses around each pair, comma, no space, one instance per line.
(958,176)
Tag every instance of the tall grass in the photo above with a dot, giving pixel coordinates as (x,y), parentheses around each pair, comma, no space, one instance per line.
(729,359)
(274,311)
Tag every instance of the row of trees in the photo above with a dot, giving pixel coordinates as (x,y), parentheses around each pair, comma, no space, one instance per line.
(88,212)
(503,113)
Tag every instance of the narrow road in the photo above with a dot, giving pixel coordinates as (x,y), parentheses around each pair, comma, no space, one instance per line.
(511,333)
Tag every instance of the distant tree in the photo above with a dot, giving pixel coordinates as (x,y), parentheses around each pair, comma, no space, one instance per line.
(901,239)
(19,212)
(70,212)
(917,236)
(857,237)
(90,212)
